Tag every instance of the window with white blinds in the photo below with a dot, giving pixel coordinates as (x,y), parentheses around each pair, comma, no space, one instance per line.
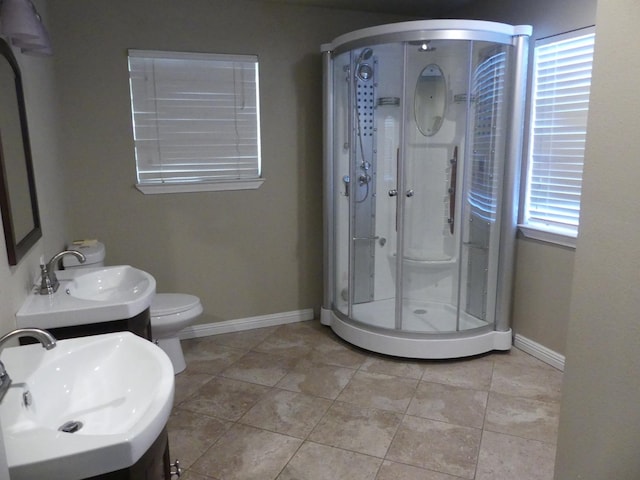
(558,129)
(196,121)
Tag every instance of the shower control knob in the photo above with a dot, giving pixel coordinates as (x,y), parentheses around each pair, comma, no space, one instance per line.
(393,192)
(409,193)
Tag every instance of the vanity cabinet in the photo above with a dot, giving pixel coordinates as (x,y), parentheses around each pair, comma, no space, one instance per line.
(140,325)
(155,464)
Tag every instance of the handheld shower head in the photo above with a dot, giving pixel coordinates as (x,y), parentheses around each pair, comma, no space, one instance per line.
(365,54)
(364,70)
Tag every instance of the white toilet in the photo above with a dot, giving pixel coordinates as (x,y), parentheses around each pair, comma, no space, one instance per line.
(170,312)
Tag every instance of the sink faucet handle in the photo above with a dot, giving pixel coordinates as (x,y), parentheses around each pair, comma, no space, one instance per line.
(50,284)
(46,287)
(5,380)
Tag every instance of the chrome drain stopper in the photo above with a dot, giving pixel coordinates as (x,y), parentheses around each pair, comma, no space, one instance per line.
(71,427)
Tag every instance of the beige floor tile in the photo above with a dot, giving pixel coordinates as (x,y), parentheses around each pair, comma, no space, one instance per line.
(225,398)
(207,358)
(290,413)
(523,417)
(190,475)
(438,446)
(504,457)
(317,379)
(310,366)
(397,471)
(332,350)
(261,368)
(363,430)
(538,382)
(320,462)
(294,339)
(247,453)
(187,383)
(461,406)
(376,390)
(191,434)
(244,340)
(400,367)
(468,373)
(515,356)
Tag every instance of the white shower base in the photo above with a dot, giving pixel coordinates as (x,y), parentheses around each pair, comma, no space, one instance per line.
(429,331)
(419,317)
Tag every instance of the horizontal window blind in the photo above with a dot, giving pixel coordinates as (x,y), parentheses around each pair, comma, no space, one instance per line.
(562,82)
(195,117)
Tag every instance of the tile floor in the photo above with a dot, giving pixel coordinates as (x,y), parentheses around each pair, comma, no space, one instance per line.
(295,402)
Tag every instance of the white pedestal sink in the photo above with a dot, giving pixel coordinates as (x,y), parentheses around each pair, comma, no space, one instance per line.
(89,295)
(117,387)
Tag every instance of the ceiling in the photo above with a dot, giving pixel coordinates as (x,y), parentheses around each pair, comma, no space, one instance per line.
(418,8)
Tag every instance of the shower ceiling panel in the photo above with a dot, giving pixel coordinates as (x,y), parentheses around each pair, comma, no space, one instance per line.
(422,8)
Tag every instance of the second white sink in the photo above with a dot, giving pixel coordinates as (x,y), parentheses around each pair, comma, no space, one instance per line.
(89,295)
(122,283)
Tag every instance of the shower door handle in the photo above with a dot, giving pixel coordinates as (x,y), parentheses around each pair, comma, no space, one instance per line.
(393,192)
(410,193)
(452,189)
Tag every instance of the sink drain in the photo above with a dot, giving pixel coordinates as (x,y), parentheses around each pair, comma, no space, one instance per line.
(419,311)
(71,427)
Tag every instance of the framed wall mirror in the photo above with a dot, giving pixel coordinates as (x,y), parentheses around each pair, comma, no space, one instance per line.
(18,200)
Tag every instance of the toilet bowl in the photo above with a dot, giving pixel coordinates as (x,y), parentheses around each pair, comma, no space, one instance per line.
(170,312)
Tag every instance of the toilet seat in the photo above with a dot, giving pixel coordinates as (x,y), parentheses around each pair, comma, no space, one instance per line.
(170,303)
(171,312)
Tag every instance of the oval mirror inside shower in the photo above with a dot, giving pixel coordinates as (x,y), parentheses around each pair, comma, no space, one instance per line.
(430,100)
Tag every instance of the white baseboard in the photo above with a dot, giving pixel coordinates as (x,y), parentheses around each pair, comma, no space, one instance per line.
(540,352)
(240,324)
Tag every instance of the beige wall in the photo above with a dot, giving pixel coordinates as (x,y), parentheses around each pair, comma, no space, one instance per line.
(600,416)
(244,253)
(542,292)
(544,272)
(40,98)
(15,282)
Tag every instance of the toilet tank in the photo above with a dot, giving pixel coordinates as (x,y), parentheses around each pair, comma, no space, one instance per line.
(93,251)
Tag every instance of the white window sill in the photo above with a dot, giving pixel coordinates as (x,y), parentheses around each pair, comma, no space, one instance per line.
(557,237)
(200,187)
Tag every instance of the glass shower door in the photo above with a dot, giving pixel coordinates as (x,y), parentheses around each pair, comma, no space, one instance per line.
(436,83)
(452,172)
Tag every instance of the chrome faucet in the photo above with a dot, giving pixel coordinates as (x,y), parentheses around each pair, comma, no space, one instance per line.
(47,340)
(49,282)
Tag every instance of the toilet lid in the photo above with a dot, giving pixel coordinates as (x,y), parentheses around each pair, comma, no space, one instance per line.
(170,303)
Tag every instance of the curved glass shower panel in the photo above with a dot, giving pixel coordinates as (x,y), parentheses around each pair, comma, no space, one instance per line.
(421,136)
(367,144)
(484,183)
(341,155)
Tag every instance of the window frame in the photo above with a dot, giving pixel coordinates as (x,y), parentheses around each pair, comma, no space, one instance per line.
(538,230)
(198,176)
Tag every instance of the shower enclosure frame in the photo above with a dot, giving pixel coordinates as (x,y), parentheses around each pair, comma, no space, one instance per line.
(428,344)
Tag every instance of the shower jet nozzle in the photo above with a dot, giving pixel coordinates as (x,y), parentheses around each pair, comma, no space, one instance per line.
(423,45)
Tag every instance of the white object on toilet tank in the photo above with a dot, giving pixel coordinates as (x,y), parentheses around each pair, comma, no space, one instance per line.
(94,252)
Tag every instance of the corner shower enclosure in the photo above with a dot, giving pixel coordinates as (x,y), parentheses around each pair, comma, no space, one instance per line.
(422,138)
